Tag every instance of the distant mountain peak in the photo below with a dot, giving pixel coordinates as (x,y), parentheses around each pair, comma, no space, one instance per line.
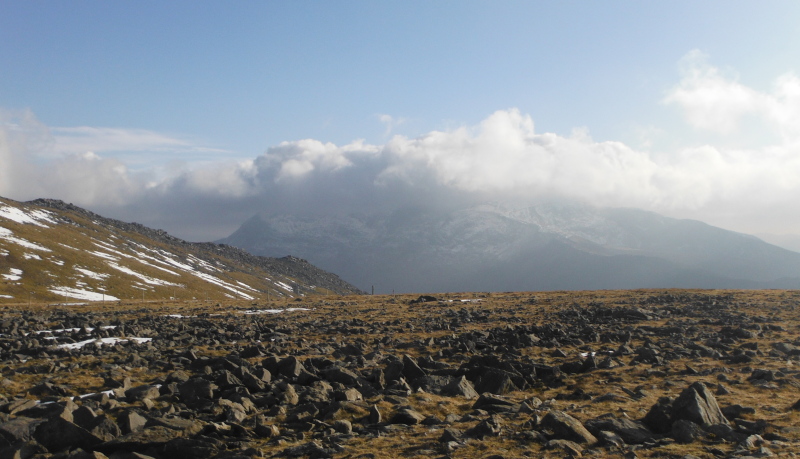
(500,246)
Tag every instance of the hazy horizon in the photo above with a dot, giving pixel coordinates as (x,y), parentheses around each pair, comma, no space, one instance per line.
(194,119)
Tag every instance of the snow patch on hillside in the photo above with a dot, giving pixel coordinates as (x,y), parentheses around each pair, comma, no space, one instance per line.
(145,278)
(8,235)
(104,255)
(34,217)
(92,274)
(15,274)
(82,294)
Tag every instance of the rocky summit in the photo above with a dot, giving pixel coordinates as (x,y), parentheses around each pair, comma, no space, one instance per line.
(634,374)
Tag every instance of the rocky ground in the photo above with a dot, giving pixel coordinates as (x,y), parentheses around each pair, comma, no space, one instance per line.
(560,374)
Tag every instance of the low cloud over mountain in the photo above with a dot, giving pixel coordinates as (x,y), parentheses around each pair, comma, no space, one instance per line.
(122,173)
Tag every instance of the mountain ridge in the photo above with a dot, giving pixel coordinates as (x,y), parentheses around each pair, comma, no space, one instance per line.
(485,247)
(53,250)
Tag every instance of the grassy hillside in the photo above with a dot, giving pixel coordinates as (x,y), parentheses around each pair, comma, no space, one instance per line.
(61,252)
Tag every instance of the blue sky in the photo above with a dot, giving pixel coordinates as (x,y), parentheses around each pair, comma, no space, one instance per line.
(160,98)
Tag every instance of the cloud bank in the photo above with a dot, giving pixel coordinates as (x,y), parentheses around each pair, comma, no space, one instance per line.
(501,158)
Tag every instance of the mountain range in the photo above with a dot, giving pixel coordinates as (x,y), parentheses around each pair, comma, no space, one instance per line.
(54,251)
(496,247)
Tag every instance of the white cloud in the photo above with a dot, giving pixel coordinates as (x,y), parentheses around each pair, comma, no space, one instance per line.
(504,154)
(718,103)
(299,158)
(501,157)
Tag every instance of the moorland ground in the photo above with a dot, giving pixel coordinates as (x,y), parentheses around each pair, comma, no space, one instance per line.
(515,374)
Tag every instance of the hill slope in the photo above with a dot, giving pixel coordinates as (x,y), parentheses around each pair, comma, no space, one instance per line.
(547,247)
(51,250)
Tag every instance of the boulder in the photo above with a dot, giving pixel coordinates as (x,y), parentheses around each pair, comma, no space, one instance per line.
(659,418)
(411,370)
(496,381)
(139,393)
(19,429)
(58,434)
(460,387)
(630,431)
(697,404)
(566,427)
(196,390)
(490,427)
(684,431)
(407,416)
(131,421)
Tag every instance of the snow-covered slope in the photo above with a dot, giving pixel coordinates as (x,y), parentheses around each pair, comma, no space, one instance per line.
(499,247)
(50,250)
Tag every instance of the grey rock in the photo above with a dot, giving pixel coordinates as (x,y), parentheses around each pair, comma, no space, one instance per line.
(569,447)
(736,411)
(343,426)
(407,416)
(725,432)
(104,428)
(131,421)
(490,402)
(348,395)
(697,404)
(84,416)
(139,393)
(632,432)
(659,417)
(57,434)
(450,434)
(490,427)
(684,431)
(460,387)
(196,390)
(23,450)
(290,367)
(611,439)
(496,381)
(411,370)
(140,441)
(20,429)
(566,427)
(61,410)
